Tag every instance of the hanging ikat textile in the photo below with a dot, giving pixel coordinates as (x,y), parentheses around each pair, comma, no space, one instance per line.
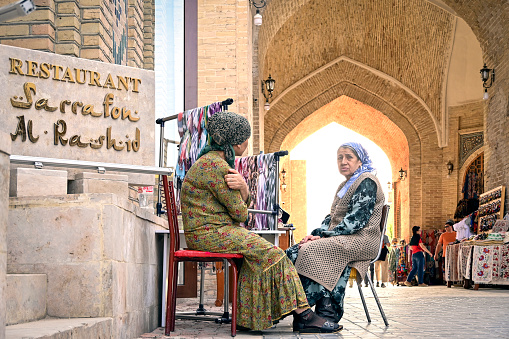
(192,128)
(259,171)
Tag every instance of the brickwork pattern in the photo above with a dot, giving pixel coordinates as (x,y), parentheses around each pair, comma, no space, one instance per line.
(103,30)
(135,34)
(488,20)
(37,30)
(395,38)
(420,131)
(148,33)
(225,54)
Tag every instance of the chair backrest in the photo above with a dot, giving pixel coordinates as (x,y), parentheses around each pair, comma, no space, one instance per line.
(383,228)
(171,212)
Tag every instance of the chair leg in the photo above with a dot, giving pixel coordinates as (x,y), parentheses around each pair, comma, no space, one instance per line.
(234,301)
(170,311)
(174,297)
(201,309)
(378,303)
(363,300)
(226,271)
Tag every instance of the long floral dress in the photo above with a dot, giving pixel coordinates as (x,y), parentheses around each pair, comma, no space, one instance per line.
(402,267)
(393,264)
(360,209)
(269,286)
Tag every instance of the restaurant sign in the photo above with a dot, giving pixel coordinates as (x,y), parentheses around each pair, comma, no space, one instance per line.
(65,107)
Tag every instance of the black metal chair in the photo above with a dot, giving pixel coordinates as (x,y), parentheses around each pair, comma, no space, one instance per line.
(383,226)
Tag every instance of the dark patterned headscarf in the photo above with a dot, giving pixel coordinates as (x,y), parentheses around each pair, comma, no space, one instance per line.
(226,129)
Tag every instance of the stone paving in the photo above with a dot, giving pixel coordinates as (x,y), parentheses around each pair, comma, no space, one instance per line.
(413,312)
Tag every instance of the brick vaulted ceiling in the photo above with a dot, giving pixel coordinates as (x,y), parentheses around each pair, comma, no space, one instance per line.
(395,50)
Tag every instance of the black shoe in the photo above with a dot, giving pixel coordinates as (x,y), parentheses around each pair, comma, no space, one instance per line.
(242,328)
(325,310)
(309,322)
(377,284)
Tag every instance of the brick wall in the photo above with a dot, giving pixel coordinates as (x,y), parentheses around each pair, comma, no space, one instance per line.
(225,54)
(100,30)
(463,119)
(317,78)
(489,20)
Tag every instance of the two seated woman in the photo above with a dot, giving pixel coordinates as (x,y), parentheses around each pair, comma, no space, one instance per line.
(214,201)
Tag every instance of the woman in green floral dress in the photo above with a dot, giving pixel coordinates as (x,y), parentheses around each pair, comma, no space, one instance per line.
(214,199)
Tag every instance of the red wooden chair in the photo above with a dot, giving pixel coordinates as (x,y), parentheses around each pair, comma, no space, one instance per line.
(176,255)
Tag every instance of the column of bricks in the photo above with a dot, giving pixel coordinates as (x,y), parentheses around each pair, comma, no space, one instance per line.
(68,26)
(135,34)
(100,30)
(96,30)
(35,31)
(148,33)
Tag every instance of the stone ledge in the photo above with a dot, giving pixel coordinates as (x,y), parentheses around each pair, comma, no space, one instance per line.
(88,198)
(87,182)
(26,182)
(76,328)
(26,298)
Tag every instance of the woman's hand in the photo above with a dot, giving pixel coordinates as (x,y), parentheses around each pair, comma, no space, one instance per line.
(425,249)
(308,238)
(235,181)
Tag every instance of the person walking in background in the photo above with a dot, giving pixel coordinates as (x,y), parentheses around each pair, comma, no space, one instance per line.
(381,270)
(417,247)
(393,262)
(445,239)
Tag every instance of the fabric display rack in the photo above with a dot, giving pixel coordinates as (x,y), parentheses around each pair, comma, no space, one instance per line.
(484,258)
(193,133)
(259,171)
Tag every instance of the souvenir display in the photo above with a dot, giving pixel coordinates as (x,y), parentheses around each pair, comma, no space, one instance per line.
(491,208)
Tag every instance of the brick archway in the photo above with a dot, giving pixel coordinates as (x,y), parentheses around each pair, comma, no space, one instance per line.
(345,77)
(376,126)
(412,48)
(407,50)
(383,94)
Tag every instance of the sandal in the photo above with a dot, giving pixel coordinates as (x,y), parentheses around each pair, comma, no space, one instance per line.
(309,322)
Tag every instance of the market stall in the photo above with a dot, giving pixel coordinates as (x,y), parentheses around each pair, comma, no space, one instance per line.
(483,258)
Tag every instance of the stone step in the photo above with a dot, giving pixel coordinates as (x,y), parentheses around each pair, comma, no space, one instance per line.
(51,328)
(25,297)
